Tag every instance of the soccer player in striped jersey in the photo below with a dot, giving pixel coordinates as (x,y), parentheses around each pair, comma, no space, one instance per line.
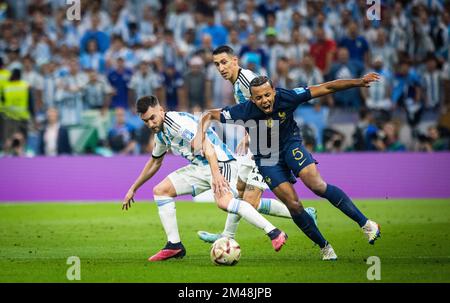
(250,183)
(214,168)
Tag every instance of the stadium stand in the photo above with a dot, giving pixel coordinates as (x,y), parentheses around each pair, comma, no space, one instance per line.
(119,50)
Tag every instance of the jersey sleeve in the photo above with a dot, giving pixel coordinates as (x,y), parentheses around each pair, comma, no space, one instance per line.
(242,111)
(181,126)
(160,147)
(295,97)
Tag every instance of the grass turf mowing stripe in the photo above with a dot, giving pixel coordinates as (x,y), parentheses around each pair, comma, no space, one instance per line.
(113,245)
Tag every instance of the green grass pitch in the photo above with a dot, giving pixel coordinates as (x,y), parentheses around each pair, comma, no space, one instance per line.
(113,245)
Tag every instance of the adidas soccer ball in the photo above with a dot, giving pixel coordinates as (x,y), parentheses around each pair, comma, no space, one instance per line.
(225,251)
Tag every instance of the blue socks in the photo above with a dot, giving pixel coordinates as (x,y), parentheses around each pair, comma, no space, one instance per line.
(307,225)
(339,199)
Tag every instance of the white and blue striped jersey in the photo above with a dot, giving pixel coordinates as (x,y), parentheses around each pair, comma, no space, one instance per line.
(179,128)
(241,86)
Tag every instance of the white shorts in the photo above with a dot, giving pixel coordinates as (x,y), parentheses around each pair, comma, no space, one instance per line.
(194,179)
(249,173)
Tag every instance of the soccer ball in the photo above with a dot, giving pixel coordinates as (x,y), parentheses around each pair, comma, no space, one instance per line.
(225,251)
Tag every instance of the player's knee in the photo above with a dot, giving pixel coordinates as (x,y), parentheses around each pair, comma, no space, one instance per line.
(160,190)
(318,187)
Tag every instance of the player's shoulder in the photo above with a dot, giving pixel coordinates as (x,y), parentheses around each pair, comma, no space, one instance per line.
(288,97)
(180,120)
(245,76)
(181,116)
(248,74)
(173,121)
(297,90)
(247,105)
(236,110)
(286,93)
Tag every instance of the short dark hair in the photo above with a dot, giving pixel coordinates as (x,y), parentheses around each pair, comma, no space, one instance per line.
(16,74)
(223,49)
(258,81)
(145,102)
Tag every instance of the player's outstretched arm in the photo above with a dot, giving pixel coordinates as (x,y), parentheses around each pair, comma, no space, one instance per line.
(219,183)
(203,124)
(341,84)
(149,170)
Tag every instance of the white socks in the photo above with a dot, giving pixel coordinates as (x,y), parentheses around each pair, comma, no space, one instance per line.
(168,216)
(273,207)
(245,210)
(270,207)
(231,225)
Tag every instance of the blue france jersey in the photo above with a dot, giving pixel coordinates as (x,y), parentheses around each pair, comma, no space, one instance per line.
(179,129)
(286,102)
(241,86)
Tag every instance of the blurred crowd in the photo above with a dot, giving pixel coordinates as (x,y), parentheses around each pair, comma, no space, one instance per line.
(69,86)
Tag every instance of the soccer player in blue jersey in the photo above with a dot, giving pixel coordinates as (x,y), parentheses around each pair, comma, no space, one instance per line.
(250,184)
(216,168)
(275,107)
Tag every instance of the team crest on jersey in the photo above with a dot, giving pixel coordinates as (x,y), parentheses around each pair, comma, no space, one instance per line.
(282,116)
(268,180)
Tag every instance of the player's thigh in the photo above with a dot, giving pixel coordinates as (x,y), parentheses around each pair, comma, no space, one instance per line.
(245,166)
(190,180)
(297,157)
(274,175)
(287,194)
(310,176)
(230,172)
(165,188)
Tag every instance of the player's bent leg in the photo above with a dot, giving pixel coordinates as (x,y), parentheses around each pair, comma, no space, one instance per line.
(163,194)
(253,192)
(252,195)
(165,188)
(271,207)
(311,178)
(244,209)
(229,231)
(286,193)
(232,222)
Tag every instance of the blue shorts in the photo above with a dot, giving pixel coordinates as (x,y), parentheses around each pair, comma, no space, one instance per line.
(292,160)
